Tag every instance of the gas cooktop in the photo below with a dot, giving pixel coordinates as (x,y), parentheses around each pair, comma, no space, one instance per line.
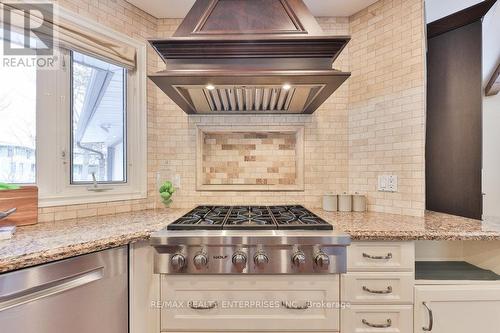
(250,218)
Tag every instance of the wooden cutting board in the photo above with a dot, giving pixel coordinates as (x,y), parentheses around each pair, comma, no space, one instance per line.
(25,200)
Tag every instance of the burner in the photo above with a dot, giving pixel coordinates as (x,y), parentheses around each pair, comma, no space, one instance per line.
(202,217)
(298,217)
(250,217)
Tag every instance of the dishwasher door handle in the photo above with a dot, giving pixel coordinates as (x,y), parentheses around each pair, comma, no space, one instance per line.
(8,301)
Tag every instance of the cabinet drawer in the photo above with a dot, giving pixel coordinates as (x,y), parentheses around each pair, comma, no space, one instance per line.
(374,318)
(381,256)
(238,303)
(378,288)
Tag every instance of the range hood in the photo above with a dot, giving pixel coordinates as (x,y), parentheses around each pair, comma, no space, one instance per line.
(249,56)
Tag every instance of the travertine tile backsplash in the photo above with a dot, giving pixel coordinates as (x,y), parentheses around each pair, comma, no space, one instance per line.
(249,158)
(387,104)
(373,124)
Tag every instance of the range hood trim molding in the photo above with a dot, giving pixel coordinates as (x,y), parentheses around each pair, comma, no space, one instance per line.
(188,48)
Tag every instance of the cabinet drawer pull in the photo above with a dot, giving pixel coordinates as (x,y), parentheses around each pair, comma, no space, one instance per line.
(387,324)
(291,306)
(211,305)
(371,291)
(387,257)
(431,318)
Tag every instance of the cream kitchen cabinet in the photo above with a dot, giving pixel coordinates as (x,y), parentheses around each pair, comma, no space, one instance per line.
(378,287)
(377,319)
(457,308)
(381,256)
(250,303)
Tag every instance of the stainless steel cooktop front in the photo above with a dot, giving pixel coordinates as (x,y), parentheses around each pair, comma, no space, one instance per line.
(250,252)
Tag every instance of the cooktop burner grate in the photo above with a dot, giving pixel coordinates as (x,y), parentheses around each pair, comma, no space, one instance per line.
(250,218)
(202,217)
(298,217)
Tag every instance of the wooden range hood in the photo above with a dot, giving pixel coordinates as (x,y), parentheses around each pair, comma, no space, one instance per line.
(249,56)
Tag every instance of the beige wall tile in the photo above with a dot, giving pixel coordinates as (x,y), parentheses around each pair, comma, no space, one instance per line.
(387,104)
(374,123)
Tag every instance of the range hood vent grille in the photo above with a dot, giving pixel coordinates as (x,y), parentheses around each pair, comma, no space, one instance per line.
(249,99)
(242,99)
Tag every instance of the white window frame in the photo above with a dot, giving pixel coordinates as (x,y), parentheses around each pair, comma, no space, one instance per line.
(54,130)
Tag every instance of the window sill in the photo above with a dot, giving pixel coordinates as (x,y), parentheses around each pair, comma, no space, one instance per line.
(109,196)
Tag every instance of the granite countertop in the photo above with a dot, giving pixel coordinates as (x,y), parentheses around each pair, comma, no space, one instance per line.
(49,241)
(433,226)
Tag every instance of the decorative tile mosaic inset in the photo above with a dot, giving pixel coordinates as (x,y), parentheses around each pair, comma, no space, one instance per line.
(249,158)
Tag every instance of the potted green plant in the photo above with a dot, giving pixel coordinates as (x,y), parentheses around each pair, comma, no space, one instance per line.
(166,192)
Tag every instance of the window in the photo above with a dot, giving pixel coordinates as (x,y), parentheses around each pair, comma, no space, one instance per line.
(17,122)
(85,118)
(98,116)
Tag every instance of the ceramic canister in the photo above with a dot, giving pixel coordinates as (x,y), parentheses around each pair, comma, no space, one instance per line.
(330,202)
(345,202)
(358,203)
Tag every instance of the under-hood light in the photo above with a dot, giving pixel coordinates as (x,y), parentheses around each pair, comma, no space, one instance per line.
(210,87)
(287,86)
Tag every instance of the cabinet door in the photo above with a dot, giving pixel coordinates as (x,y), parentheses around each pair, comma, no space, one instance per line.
(457,308)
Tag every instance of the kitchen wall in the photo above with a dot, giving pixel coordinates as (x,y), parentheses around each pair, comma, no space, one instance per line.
(374,123)
(126,18)
(436,9)
(326,153)
(387,104)
(491,116)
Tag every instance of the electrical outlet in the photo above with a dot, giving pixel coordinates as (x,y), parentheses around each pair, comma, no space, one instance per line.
(393,183)
(387,183)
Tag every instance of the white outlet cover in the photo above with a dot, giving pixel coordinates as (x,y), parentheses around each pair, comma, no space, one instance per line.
(393,183)
(382,183)
(387,183)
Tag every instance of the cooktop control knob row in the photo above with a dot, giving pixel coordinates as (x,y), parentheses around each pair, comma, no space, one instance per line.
(239,260)
(178,262)
(299,260)
(200,260)
(260,259)
(322,260)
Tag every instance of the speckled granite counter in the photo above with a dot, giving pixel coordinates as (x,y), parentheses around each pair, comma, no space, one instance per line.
(46,242)
(49,241)
(433,226)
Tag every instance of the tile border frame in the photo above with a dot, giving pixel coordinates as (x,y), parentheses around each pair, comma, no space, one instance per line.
(299,149)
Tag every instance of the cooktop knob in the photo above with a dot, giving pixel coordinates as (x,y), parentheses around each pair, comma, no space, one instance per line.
(260,259)
(178,262)
(322,260)
(299,259)
(200,260)
(239,260)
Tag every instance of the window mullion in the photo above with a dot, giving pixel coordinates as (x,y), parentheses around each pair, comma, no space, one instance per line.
(49,153)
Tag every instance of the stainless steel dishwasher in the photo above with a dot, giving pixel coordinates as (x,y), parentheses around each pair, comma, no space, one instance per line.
(85,294)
